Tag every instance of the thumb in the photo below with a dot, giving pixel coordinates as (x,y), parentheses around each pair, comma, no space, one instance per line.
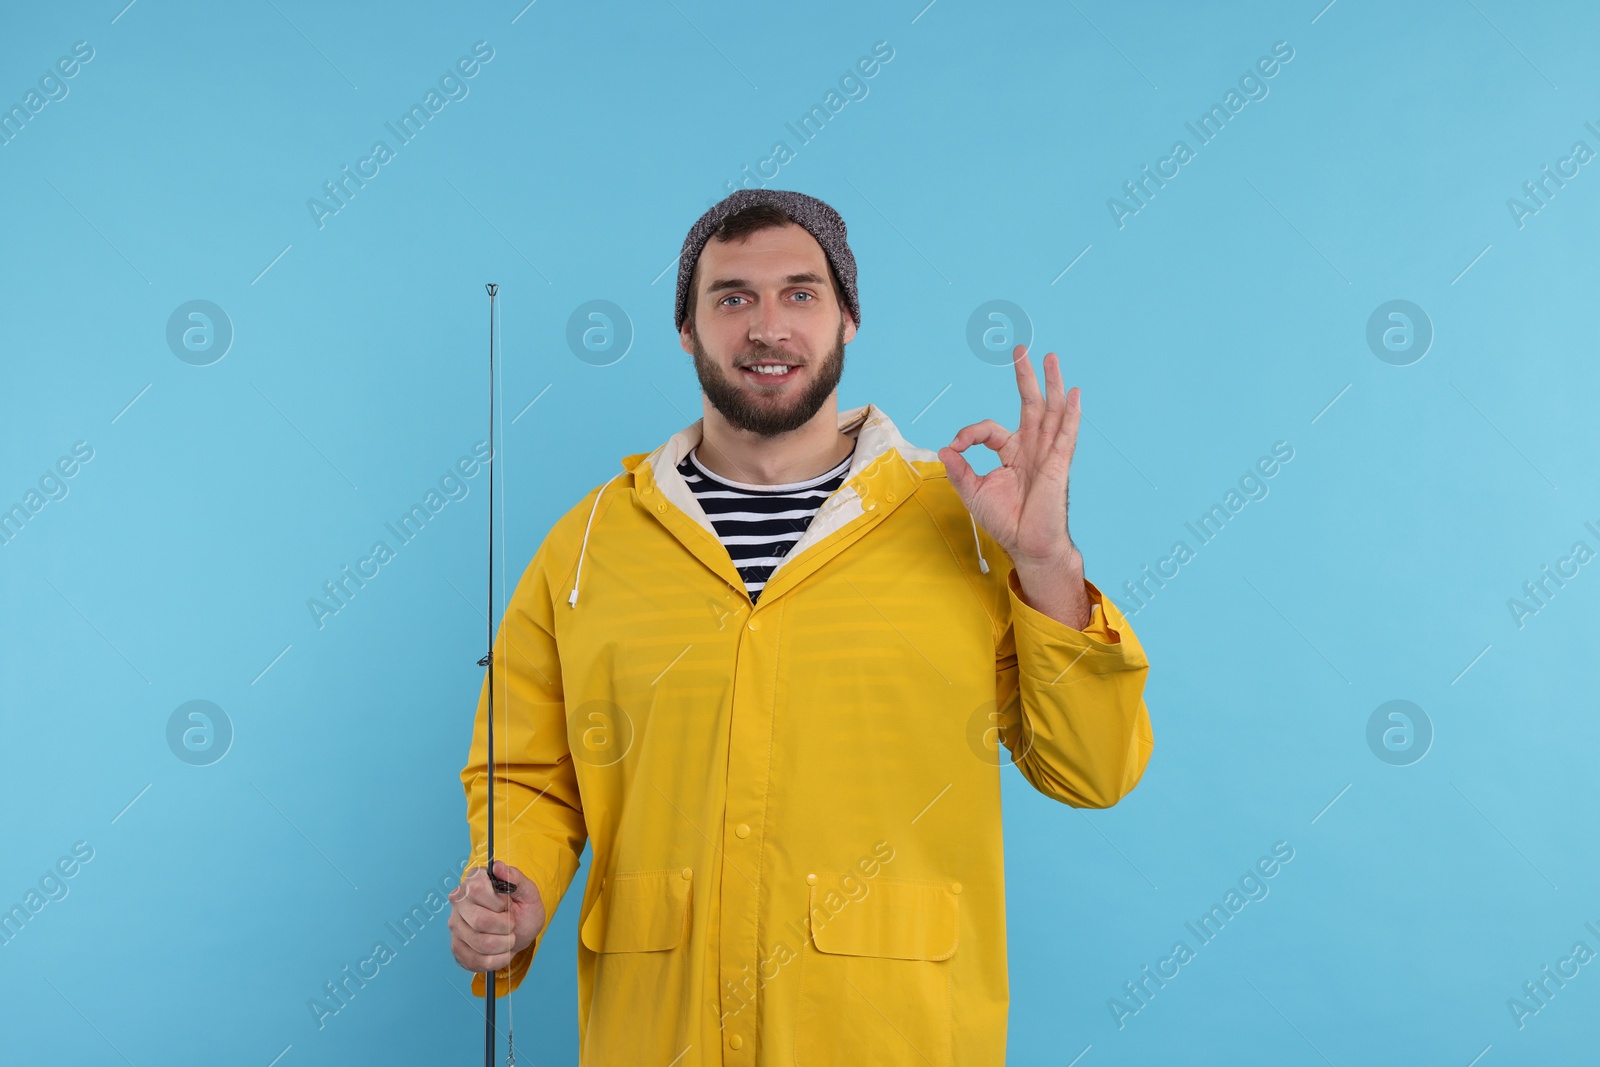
(507,873)
(959,470)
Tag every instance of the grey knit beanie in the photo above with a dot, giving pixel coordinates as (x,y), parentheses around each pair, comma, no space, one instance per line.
(819,220)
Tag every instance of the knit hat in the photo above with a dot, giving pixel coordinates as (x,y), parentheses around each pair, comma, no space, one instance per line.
(819,220)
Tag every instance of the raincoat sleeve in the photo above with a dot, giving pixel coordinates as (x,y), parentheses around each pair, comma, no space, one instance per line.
(538,817)
(1071,702)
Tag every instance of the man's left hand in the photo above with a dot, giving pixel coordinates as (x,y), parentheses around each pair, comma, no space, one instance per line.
(1022,503)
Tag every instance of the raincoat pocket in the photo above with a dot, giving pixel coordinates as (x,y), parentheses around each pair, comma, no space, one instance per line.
(639,931)
(875,976)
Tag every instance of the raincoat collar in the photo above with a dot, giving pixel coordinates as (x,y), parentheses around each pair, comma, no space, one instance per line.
(884,471)
(875,435)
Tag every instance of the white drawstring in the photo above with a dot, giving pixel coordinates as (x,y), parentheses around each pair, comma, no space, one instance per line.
(983,564)
(572,600)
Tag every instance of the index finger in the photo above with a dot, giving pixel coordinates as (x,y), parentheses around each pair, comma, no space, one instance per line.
(481,893)
(988,433)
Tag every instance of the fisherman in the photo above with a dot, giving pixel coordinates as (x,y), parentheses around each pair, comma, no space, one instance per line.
(771,673)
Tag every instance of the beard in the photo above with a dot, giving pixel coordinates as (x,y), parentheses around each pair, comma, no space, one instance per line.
(767,416)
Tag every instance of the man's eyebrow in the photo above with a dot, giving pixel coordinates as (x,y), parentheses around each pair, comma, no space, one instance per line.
(811,277)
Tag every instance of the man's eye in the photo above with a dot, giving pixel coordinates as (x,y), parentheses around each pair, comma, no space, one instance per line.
(728,298)
(808,296)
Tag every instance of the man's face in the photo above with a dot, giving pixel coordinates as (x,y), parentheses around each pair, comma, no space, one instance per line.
(767,300)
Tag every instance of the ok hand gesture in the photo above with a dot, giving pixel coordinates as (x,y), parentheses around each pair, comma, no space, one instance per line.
(1023,502)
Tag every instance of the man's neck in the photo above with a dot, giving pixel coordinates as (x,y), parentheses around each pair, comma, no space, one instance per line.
(742,456)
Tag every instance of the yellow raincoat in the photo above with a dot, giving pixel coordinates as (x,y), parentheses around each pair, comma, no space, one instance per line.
(794,807)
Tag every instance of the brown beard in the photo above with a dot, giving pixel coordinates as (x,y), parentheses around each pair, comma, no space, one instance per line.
(735,405)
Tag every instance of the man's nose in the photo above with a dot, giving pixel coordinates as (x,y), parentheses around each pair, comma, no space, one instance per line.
(769,325)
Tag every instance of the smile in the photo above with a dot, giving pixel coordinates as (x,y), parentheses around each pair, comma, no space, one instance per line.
(770,372)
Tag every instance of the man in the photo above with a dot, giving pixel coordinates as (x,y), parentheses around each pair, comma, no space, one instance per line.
(767,671)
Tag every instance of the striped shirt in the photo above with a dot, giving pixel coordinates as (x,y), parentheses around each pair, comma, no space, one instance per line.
(759,524)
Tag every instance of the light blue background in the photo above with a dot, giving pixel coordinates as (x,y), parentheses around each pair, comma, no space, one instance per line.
(1228,314)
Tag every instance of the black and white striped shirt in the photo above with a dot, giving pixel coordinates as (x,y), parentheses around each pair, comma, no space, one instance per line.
(758,524)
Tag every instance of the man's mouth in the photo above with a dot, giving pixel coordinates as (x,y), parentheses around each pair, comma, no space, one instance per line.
(770,373)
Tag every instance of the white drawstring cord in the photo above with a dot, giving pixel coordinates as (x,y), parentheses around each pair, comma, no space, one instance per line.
(983,564)
(572,600)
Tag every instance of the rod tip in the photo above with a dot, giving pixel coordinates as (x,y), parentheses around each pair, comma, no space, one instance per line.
(493,288)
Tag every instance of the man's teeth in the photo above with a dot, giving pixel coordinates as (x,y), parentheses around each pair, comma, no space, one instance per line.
(770,368)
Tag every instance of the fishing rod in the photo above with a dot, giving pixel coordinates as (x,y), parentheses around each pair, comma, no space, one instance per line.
(500,885)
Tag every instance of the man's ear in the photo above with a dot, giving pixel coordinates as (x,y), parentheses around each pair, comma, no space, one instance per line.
(685,340)
(849,327)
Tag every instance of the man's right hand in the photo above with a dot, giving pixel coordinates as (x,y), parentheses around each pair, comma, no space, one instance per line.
(487,928)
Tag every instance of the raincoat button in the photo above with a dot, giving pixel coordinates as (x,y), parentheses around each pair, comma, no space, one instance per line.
(955,887)
(661,507)
(647,490)
(743,829)
(687,873)
(869,505)
(811,879)
(889,497)
(754,624)
(736,1042)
